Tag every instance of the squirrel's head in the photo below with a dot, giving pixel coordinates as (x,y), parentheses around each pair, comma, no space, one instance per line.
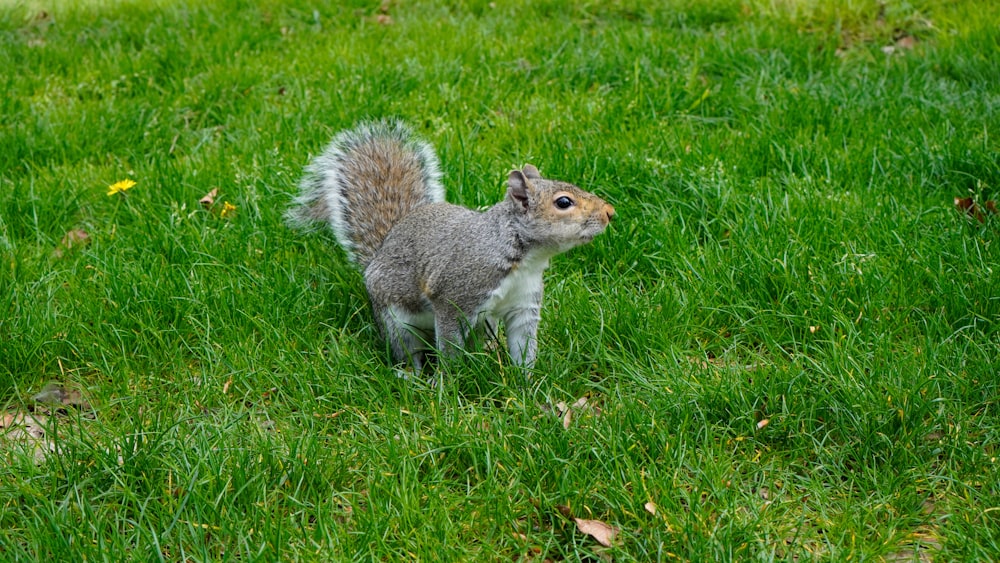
(557,213)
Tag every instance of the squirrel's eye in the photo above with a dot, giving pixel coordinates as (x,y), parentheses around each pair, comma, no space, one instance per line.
(564,202)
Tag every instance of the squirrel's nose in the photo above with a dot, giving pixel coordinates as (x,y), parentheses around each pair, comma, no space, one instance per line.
(609,211)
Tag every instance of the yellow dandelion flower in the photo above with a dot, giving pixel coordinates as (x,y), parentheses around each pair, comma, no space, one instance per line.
(120,187)
(227,209)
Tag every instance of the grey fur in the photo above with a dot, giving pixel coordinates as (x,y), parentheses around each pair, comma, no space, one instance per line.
(436,271)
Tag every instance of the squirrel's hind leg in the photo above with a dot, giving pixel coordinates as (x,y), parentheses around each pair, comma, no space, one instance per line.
(407,334)
(449,330)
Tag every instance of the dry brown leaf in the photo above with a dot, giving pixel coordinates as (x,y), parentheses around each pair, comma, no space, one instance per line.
(966,204)
(208,199)
(698,362)
(31,424)
(902,43)
(73,238)
(906,42)
(650,508)
(27,433)
(603,533)
(763,423)
(58,395)
(969,206)
(565,412)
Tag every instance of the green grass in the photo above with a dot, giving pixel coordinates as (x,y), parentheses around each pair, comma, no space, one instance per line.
(786,248)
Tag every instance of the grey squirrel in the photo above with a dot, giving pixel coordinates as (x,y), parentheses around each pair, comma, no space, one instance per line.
(434,270)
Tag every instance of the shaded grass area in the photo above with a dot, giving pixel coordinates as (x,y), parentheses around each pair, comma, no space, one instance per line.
(786,250)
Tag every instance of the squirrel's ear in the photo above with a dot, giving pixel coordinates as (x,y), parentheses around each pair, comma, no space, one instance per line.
(517,187)
(531,172)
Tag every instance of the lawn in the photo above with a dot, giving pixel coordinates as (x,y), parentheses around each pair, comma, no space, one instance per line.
(786,346)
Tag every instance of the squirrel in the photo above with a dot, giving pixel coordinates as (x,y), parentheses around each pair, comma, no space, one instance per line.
(435,271)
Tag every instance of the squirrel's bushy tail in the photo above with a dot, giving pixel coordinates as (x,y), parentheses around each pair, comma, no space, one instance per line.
(366,180)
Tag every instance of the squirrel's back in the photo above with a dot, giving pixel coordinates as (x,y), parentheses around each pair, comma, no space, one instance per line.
(366,181)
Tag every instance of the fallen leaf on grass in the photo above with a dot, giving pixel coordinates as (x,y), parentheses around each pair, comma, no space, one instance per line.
(650,508)
(383,17)
(567,414)
(763,423)
(969,206)
(603,533)
(906,42)
(26,433)
(209,199)
(58,395)
(28,424)
(73,238)
(565,411)
(903,43)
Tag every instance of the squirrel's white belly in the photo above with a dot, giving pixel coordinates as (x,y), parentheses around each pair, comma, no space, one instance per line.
(521,288)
